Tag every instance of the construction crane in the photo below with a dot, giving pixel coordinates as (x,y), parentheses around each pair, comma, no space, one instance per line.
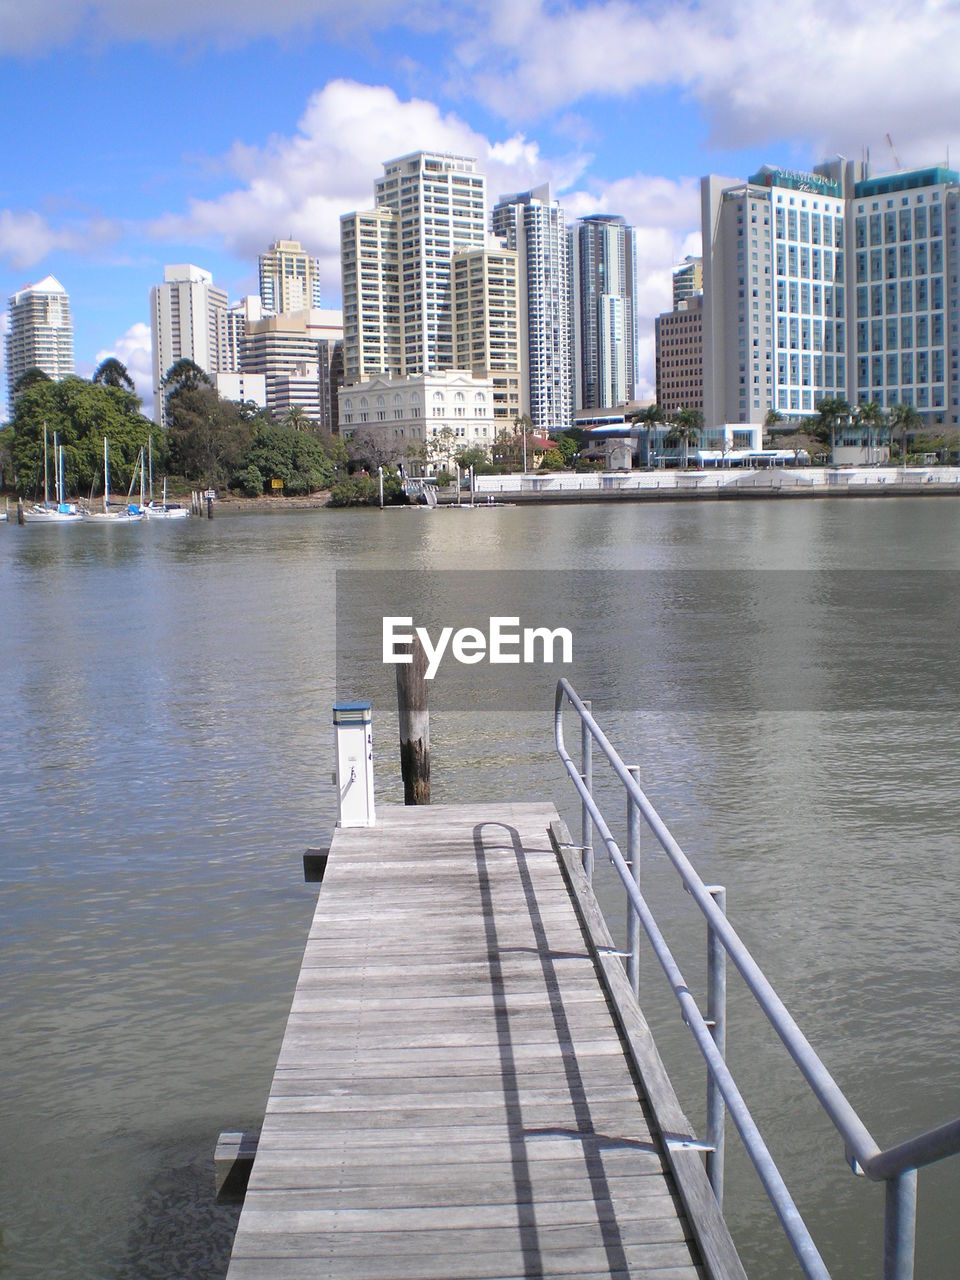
(893,152)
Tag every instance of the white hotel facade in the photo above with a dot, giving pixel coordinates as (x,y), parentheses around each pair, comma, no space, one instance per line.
(410,418)
(831,284)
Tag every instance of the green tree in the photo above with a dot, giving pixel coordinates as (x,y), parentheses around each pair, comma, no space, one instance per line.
(281,452)
(81,413)
(552,460)
(831,411)
(568,447)
(687,426)
(113,373)
(905,420)
(476,456)
(296,418)
(206,437)
(185,375)
(6,457)
(31,378)
(871,416)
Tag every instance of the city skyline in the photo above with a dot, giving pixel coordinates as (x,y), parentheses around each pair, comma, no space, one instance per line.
(620,111)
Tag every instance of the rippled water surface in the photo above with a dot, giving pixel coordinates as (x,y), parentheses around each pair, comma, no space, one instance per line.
(165,759)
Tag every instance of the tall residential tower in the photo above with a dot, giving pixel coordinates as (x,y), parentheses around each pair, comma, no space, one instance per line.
(533,224)
(289,278)
(603,286)
(188,320)
(396,263)
(40,333)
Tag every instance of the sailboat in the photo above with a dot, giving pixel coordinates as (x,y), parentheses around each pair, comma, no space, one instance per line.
(165,511)
(62,512)
(128,514)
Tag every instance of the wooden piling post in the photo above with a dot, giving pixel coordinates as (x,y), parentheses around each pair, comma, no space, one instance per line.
(20,515)
(414,717)
(209,507)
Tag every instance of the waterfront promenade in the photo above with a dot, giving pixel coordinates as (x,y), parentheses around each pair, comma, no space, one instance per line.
(456,1094)
(717,483)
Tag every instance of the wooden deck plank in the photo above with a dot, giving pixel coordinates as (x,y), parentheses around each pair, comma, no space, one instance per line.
(451,1099)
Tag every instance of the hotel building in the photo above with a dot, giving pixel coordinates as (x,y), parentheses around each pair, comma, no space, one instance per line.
(831,284)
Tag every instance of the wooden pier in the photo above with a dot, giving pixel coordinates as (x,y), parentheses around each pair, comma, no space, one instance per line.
(466,1088)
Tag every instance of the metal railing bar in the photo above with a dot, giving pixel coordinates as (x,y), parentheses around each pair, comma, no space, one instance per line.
(854,1132)
(793,1225)
(897,1166)
(927,1148)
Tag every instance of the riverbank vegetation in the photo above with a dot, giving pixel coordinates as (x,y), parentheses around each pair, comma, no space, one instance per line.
(208,442)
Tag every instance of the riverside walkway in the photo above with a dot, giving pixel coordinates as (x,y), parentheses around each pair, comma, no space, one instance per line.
(466,1087)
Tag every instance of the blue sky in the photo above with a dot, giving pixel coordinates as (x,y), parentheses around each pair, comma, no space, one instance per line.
(141,133)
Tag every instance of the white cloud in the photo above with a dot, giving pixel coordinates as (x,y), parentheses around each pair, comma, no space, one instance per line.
(134,348)
(35,27)
(27,237)
(822,70)
(301,185)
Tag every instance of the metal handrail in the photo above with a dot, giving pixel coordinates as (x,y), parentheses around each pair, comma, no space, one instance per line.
(896,1166)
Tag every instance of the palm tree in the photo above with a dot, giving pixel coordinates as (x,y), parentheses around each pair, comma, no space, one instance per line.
(686,427)
(296,417)
(906,420)
(113,373)
(830,413)
(872,416)
(648,417)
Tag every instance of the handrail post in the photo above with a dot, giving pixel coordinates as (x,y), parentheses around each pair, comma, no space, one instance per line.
(586,772)
(633,858)
(717,1018)
(900,1226)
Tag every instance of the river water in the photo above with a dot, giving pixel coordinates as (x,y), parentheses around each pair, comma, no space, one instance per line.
(784,674)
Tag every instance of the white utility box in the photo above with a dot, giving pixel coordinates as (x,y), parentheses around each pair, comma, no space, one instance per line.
(353,745)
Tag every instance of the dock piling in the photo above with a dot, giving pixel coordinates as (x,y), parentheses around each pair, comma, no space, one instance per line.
(414,717)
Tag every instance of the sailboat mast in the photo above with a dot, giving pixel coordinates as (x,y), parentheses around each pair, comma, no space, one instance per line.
(106,475)
(46,468)
(150,454)
(63,487)
(56,469)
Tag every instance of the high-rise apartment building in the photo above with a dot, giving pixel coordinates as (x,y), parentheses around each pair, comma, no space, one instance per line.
(288,350)
(603,323)
(289,278)
(40,333)
(533,224)
(238,316)
(679,341)
(428,206)
(687,279)
(486,329)
(188,322)
(369,258)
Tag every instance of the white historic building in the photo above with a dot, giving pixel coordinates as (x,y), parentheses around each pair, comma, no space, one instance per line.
(421,421)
